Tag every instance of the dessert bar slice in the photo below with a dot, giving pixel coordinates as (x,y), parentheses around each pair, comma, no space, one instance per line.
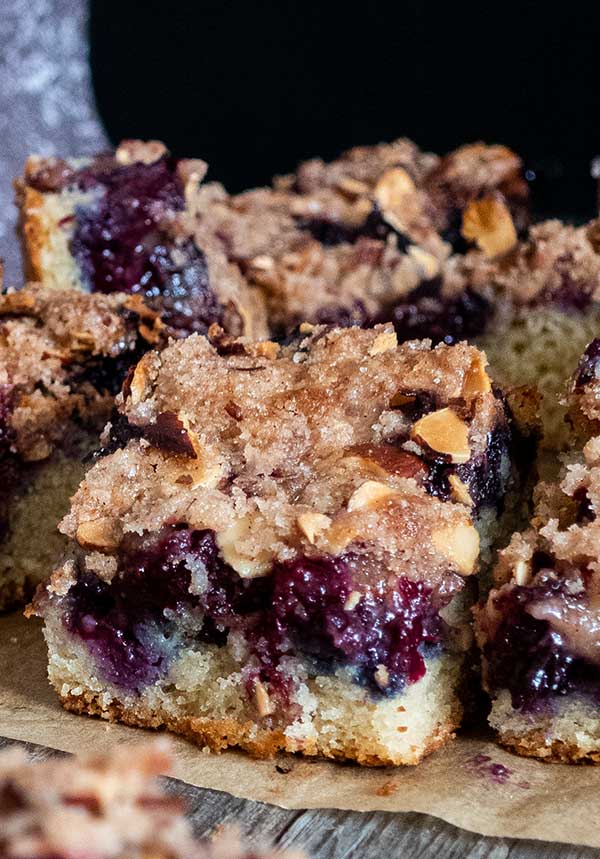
(120,223)
(108,806)
(63,357)
(279,557)
(539,631)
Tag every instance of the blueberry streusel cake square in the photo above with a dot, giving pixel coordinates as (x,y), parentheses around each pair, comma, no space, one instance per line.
(109,806)
(538,631)
(275,550)
(63,357)
(120,222)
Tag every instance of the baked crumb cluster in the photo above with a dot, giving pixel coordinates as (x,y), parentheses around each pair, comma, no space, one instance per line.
(103,807)
(539,628)
(63,357)
(369,233)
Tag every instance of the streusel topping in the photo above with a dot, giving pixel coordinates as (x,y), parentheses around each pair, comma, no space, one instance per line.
(62,354)
(328,445)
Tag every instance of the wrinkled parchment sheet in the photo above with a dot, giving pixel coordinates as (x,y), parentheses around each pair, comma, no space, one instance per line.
(472,783)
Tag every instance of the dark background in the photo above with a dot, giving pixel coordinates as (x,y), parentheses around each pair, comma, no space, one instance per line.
(254,87)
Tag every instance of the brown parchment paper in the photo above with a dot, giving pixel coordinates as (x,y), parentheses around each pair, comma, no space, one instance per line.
(472,783)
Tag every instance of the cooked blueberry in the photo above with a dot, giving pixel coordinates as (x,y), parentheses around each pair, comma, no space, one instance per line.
(530,659)
(122,242)
(131,625)
(427,314)
(589,366)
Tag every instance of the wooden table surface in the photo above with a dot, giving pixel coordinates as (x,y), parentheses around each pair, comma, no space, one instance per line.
(336,834)
(46,106)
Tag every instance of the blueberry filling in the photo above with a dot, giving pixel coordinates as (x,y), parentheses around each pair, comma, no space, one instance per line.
(427,314)
(135,625)
(424,314)
(329,232)
(585,509)
(572,295)
(589,366)
(123,242)
(530,659)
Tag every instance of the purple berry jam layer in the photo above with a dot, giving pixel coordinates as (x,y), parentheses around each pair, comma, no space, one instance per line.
(135,626)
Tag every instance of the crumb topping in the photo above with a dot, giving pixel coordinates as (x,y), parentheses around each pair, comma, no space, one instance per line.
(310,448)
(64,354)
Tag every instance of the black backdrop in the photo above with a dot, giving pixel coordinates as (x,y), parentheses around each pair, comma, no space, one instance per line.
(253,87)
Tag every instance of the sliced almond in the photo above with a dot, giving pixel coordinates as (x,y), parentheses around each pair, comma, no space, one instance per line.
(97,534)
(392,188)
(139,152)
(369,494)
(83,341)
(352,601)
(427,263)
(444,432)
(313,524)
(382,677)
(262,262)
(460,490)
(267,349)
(384,342)
(40,449)
(191,171)
(489,224)
(262,700)
(249,567)
(476,381)
(459,544)
(135,387)
(352,187)
(522,573)
(402,399)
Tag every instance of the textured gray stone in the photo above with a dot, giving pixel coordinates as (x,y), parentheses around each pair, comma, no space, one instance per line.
(46,100)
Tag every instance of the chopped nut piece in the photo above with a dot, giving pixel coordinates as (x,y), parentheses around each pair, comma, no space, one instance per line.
(135,387)
(522,573)
(459,544)
(402,399)
(477,381)
(392,188)
(172,433)
(40,449)
(429,265)
(460,491)
(191,170)
(262,700)
(139,152)
(307,328)
(444,432)
(267,349)
(83,340)
(249,567)
(353,600)
(97,534)
(369,494)
(382,677)
(352,187)
(313,524)
(489,224)
(384,342)
(263,262)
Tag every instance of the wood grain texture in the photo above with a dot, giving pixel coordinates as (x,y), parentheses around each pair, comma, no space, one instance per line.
(337,834)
